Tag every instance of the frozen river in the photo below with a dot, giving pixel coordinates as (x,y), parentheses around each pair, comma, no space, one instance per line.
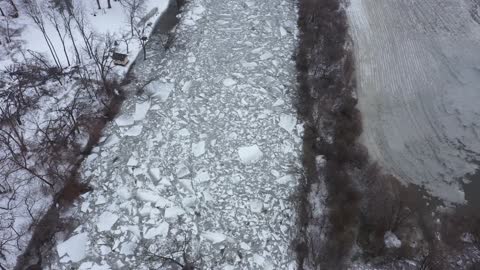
(418,72)
(205,160)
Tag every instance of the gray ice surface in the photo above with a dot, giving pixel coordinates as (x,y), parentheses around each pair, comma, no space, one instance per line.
(208,156)
(418,71)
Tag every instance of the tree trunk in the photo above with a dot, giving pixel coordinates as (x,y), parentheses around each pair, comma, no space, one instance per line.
(98,3)
(144,52)
(14,6)
(109,5)
(47,40)
(55,55)
(1,12)
(62,40)
(68,26)
(131,24)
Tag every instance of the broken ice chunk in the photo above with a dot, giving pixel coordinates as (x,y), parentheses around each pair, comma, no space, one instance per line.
(202,176)
(256,206)
(198,10)
(198,149)
(106,221)
(279,102)
(134,131)
(285,179)
(162,202)
(165,181)
(128,248)
(182,170)
(105,250)
(173,212)
(85,206)
(244,246)
(93,266)
(155,173)
(391,240)
(214,237)
(189,202)
(100,200)
(266,56)
(249,64)
(124,193)
(124,120)
(132,162)
(184,132)
(187,184)
(258,259)
(147,195)
(159,90)
(229,82)
(161,230)
(250,154)
(111,140)
(141,110)
(287,122)
(186,86)
(75,247)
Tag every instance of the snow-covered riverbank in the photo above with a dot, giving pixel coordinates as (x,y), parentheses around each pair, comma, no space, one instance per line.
(206,159)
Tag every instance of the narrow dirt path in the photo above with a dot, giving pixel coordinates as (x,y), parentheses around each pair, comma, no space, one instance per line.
(204,161)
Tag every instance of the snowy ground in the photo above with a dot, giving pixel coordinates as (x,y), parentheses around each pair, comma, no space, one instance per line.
(114,21)
(210,153)
(418,71)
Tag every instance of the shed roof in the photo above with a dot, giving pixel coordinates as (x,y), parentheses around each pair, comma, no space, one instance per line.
(119,56)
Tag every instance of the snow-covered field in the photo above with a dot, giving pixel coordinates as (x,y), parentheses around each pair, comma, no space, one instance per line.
(204,162)
(418,71)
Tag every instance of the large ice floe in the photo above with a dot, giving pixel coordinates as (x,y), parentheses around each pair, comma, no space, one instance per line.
(203,162)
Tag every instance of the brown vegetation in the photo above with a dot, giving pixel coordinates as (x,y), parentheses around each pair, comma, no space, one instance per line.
(363,202)
(326,103)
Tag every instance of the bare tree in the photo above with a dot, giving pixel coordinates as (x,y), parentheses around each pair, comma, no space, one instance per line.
(134,9)
(61,31)
(179,254)
(14,6)
(98,4)
(67,19)
(13,142)
(78,15)
(103,61)
(33,11)
(126,39)
(142,38)
(7,31)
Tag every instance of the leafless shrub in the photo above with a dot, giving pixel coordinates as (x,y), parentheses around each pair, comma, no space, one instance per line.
(179,254)
(8,31)
(436,259)
(325,68)
(460,227)
(102,50)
